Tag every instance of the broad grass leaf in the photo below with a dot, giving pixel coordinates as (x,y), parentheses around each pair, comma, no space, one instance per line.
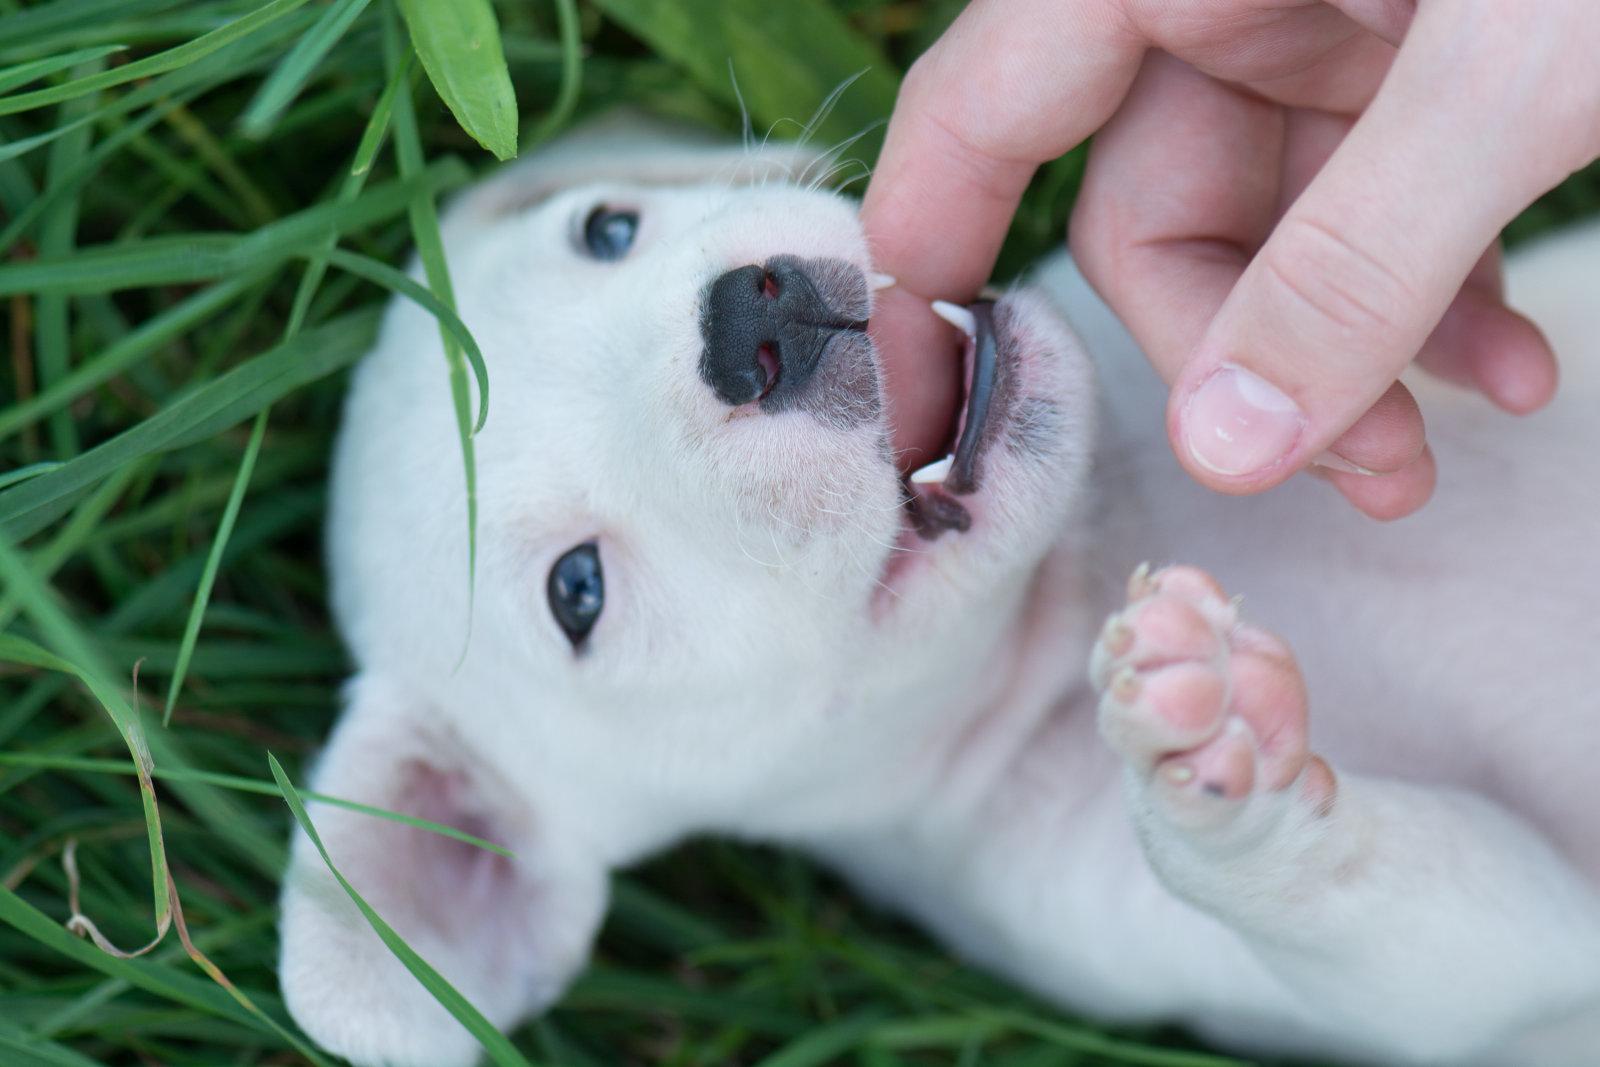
(786,57)
(459,44)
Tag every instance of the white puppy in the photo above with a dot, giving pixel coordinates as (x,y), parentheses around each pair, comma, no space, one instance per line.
(705,601)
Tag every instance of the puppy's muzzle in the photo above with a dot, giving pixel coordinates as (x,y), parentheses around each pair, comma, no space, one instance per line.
(770,327)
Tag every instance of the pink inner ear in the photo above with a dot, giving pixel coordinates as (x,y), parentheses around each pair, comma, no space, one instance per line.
(438,888)
(476,875)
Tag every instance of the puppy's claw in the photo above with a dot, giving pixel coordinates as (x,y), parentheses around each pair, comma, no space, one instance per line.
(1116,637)
(1178,773)
(1140,584)
(877,280)
(1125,686)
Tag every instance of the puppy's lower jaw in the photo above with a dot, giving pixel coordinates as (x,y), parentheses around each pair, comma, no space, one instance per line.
(990,428)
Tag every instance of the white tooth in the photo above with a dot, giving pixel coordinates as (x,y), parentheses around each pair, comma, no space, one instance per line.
(957,316)
(934,473)
(876,281)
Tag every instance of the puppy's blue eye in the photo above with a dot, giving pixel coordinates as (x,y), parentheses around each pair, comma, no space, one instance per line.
(576,590)
(609,234)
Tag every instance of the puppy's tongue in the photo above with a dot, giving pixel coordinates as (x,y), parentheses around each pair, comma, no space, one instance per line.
(923,368)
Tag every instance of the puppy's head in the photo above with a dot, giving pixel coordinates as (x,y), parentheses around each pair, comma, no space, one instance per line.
(685,490)
(696,560)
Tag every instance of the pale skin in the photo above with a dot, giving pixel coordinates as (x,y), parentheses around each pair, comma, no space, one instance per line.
(1287,202)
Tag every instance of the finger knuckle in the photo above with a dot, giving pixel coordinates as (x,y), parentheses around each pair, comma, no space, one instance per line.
(1336,281)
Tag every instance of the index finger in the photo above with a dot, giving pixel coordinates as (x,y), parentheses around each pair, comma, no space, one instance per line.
(1011,84)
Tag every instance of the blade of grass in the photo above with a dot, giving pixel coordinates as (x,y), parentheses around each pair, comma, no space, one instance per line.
(289,77)
(38,21)
(215,406)
(1114,1050)
(57,236)
(32,470)
(23,73)
(378,125)
(160,63)
(199,137)
(458,42)
(75,654)
(290,460)
(449,322)
(17,650)
(17,190)
(74,179)
(49,559)
(498,1047)
(159,980)
(935,1032)
(350,189)
(18,1048)
(430,249)
(180,258)
(155,334)
(609,989)
(571,73)
(208,577)
(238,59)
(825,1044)
(285,512)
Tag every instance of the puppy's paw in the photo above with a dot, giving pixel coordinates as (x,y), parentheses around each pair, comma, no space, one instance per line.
(1208,712)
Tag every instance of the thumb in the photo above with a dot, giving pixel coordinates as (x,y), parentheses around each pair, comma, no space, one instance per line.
(1362,267)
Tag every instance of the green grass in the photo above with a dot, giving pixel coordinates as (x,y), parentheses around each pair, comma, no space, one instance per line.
(201,204)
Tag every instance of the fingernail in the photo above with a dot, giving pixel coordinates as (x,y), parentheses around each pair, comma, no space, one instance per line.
(1238,422)
(1339,463)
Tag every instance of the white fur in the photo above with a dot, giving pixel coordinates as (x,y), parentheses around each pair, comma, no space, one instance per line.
(749,675)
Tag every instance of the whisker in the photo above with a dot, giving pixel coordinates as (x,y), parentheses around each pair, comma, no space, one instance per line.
(738,532)
(744,112)
(837,168)
(829,102)
(832,154)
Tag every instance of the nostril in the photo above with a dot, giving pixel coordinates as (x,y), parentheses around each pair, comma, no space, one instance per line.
(766,330)
(767,360)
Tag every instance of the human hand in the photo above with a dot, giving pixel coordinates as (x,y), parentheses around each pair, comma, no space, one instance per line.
(1287,202)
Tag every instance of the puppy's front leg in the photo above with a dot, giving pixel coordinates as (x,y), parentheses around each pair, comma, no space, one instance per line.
(1431,924)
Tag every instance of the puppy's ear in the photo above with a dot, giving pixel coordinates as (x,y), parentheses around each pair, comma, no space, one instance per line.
(508,934)
(625,146)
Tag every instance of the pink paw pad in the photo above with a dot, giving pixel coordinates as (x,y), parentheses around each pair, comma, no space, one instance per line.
(1210,708)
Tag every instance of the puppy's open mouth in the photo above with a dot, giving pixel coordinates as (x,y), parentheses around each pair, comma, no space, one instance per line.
(931,491)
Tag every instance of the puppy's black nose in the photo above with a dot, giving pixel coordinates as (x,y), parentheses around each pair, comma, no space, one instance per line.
(766,329)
